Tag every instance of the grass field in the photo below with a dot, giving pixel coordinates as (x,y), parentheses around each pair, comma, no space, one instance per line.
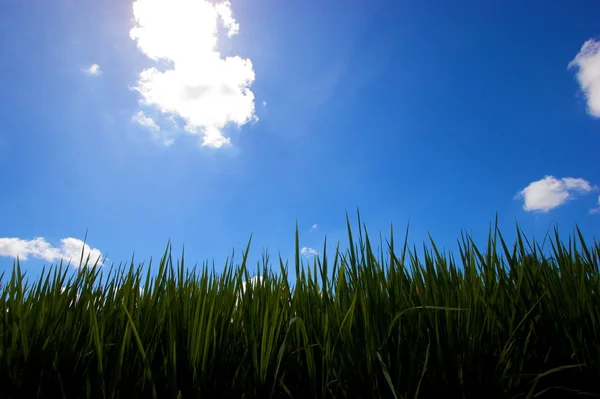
(502,321)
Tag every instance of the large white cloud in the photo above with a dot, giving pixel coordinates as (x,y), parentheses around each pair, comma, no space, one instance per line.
(206,90)
(69,250)
(587,61)
(548,193)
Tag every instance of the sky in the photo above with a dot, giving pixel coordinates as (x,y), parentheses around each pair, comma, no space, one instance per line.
(134,122)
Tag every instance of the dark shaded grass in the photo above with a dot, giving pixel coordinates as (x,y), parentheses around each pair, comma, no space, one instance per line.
(503,322)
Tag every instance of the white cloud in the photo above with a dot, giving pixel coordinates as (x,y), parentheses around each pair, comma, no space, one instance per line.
(548,193)
(587,62)
(69,250)
(307,251)
(207,91)
(147,122)
(93,70)
(254,281)
(314,227)
(597,208)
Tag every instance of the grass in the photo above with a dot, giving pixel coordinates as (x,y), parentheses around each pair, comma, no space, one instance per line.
(501,322)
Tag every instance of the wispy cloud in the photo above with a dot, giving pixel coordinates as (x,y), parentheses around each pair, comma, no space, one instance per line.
(93,70)
(549,193)
(314,227)
(597,208)
(150,124)
(208,91)
(70,250)
(143,120)
(307,251)
(587,62)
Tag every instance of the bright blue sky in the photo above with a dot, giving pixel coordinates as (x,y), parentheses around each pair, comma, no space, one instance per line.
(434,111)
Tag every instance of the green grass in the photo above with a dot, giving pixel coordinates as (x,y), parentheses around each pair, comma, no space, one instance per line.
(499,322)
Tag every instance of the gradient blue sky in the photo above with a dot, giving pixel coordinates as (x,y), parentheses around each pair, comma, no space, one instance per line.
(436,112)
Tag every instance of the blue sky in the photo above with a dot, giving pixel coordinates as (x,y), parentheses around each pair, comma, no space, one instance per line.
(136,121)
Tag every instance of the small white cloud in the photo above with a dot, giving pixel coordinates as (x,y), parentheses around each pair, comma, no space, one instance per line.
(264,103)
(93,70)
(69,250)
(307,251)
(314,227)
(549,193)
(254,281)
(207,91)
(587,61)
(145,121)
(597,208)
